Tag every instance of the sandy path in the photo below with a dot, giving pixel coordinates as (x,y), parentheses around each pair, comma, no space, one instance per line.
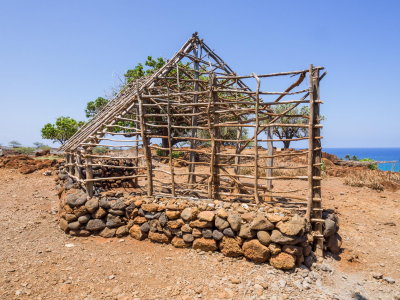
(35,262)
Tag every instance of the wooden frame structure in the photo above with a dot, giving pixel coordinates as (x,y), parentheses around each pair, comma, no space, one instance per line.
(212,127)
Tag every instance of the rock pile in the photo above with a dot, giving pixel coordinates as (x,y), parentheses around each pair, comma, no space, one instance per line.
(261,234)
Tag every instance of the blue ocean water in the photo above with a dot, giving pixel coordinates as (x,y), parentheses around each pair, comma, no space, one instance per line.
(382,154)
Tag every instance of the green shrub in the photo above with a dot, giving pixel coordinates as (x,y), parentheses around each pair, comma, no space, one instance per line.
(372,166)
(175,154)
(25,150)
(100,150)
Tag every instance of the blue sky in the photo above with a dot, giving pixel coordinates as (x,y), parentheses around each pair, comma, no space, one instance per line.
(55,56)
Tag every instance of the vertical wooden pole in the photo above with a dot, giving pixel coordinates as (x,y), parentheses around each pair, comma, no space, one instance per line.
(256,197)
(269,163)
(72,160)
(146,149)
(69,162)
(314,204)
(89,173)
(213,119)
(78,165)
(193,143)
(171,163)
(136,160)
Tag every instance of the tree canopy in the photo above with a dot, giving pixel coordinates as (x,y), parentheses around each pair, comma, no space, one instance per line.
(93,107)
(62,130)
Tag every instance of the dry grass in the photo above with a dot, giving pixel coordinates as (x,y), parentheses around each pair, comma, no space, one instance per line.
(277,172)
(376,180)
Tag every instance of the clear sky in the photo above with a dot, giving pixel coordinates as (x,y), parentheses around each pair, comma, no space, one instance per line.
(55,56)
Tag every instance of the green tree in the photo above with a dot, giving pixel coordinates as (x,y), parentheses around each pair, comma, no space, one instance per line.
(14,144)
(93,107)
(297,115)
(62,130)
(140,71)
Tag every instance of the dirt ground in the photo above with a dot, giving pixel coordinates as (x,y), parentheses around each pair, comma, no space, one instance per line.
(38,261)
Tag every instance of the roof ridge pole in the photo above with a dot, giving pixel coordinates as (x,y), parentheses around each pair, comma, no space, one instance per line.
(193,143)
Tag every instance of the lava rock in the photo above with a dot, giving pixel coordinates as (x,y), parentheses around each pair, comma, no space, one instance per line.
(231,247)
(95,225)
(255,251)
(264,237)
(205,244)
(283,261)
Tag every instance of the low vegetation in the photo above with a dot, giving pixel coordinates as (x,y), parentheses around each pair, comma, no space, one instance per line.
(377,180)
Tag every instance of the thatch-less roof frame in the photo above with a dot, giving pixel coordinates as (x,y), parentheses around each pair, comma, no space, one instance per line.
(196,99)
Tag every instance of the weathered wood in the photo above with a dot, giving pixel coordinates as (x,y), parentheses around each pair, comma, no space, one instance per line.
(89,175)
(146,148)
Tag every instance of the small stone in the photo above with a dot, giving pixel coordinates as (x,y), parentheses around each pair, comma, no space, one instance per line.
(205,244)
(377,275)
(293,250)
(200,224)
(334,243)
(158,237)
(207,233)
(246,232)
(150,207)
(145,227)
(114,221)
(173,214)
(155,226)
(222,213)
(186,228)
(235,280)
(189,213)
(175,224)
(139,220)
(217,235)
(63,225)
(179,243)
(104,203)
(207,216)
(261,223)
(280,238)
(108,232)
(229,232)
(188,238)
(255,251)
(330,228)
(283,261)
(231,247)
(264,237)
(275,217)
(70,217)
(119,205)
(95,225)
(100,213)
(122,231)
(163,219)
(74,225)
(84,219)
(197,233)
(70,245)
(221,223)
(389,280)
(274,248)
(77,199)
(234,221)
(294,226)
(116,212)
(92,204)
(136,233)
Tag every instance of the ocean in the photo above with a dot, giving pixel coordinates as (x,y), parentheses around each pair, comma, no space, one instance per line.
(382,154)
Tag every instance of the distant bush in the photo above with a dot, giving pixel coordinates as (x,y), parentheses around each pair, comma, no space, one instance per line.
(372,166)
(100,150)
(25,150)
(175,154)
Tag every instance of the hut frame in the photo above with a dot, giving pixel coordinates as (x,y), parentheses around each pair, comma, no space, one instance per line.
(193,99)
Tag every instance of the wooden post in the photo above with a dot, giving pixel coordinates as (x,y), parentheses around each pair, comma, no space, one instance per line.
(256,140)
(193,144)
(213,118)
(171,163)
(89,173)
(72,161)
(146,149)
(69,162)
(269,163)
(78,165)
(314,162)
